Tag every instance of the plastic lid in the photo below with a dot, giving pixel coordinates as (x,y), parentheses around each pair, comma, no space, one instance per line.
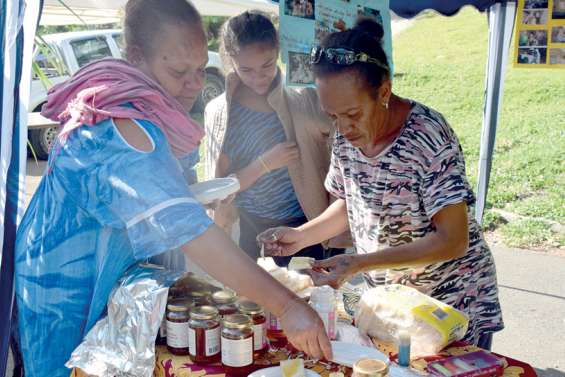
(370,367)
(223,297)
(249,307)
(236,321)
(204,312)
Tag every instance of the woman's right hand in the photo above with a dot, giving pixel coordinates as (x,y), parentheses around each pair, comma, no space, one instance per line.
(305,330)
(281,241)
(281,155)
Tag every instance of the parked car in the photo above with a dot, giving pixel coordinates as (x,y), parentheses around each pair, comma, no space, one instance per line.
(74,50)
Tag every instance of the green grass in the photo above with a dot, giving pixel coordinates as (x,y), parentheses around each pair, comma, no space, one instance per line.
(531,233)
(440,61)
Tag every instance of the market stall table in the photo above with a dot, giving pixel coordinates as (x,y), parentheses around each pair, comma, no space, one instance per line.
(168,365)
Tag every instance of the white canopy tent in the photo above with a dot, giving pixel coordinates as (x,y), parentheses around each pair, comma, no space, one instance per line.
(15,65)
(110,11)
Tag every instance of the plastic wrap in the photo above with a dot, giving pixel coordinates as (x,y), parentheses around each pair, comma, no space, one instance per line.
(123,342)
(386,310)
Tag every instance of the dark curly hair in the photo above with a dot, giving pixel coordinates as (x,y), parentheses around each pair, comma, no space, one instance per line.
(366,36)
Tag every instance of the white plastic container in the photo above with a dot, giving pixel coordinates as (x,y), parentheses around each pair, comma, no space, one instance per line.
(323,301)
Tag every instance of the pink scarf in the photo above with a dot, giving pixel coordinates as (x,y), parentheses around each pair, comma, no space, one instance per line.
(100,90)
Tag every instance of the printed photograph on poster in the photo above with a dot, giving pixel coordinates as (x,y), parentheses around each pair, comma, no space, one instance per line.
(557,56)
(371,13)
(331,18)
(300,8)
(534,17)
(530,38)
(558,34)
(558,11)
(536,4)
(532,55)
(299,69)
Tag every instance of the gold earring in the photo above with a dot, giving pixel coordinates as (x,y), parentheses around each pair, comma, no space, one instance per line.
(385,104)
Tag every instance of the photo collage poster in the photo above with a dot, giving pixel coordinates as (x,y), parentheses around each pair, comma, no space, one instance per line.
(303,23)
(540,34)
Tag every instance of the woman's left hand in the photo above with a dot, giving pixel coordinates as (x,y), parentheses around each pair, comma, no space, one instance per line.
(334,271)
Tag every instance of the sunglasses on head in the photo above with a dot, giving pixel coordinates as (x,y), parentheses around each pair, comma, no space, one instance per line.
(342,56)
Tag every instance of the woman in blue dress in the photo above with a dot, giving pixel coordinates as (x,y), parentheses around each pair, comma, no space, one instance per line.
(114,194)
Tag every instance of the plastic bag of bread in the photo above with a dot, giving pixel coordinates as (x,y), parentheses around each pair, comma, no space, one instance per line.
(384,311)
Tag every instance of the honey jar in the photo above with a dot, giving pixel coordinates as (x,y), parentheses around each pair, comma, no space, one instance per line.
(225,301)
(259,323)
(177,327)
(204,335)
(237,344)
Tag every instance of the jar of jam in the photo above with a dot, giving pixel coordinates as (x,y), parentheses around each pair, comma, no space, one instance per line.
(259,325)
(199,298)
(237,344)
(225,301)
(204,335)
(275,333)
(177,327)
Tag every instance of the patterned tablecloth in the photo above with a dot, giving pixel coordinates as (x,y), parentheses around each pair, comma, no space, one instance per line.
(168,365)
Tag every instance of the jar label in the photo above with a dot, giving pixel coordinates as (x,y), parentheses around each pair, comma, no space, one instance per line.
(191,341)
(177,334)
(259,337)
(213,341)
(237,353)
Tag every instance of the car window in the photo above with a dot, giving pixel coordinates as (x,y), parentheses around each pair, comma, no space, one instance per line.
(88,50)
(46,60)
(119,38)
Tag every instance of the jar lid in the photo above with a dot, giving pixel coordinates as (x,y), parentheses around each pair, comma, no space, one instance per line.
(249,307)
(177,306)
(236,321)
(203,312)
(223,297)
(199,293)
(370,367)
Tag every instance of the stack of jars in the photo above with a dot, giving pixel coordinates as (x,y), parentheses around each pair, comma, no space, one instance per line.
(231,332)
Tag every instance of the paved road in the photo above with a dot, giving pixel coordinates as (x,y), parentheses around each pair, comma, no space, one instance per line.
(532,294)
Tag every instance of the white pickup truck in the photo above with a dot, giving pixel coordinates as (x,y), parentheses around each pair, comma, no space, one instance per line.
(75,49)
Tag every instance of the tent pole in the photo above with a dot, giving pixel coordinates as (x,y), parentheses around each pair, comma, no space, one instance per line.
(501,23)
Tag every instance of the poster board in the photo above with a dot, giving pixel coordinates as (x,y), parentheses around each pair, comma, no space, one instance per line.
(540,34)
(303,23)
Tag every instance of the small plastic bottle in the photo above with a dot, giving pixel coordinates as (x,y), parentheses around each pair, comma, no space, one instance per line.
(404,348)
(323,301)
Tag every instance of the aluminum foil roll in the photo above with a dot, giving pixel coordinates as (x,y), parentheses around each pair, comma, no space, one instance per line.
(123,343)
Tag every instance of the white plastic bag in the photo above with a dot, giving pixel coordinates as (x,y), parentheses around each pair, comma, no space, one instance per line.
(385,310)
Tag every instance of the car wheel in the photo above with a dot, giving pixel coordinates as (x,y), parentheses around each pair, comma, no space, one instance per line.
(41,141)
(214,86)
